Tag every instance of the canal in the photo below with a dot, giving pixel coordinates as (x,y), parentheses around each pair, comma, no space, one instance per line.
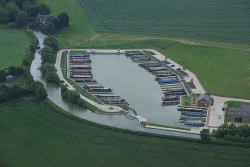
(122,85)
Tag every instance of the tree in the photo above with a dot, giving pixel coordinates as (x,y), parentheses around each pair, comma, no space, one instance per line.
(15,92)
(64,18)
(4,18)
(3,97)
(43,9)
(47,67)
(12,71)
(35,85)
(52,77)
(51,41)
(73,96)
(41,93)
(31,11)
(49,28)
(25,6)
(81,103)
(46,54)
(20,70)
(3,75)
(57,23)
(205,134)
(232,129)
(20,20)
(237,138)
(12,12)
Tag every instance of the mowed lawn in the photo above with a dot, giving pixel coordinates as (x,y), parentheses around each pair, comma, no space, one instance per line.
(223,20)
(223,72)
(33,135)
(13,46)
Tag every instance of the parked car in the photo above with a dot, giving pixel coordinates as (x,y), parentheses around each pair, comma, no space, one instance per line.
(93,50)
(172,65)
(219,116)
(178,68)
(67,85)
(118,50)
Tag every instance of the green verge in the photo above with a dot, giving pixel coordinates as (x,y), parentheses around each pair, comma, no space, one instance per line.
(14,44)
(167,126)
(223,72)
(50,136)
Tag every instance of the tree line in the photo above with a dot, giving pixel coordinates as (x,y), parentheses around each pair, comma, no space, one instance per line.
(19,13)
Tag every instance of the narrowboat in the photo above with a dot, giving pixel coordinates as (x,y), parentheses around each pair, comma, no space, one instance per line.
(194,122)
(166,103)
(170,98)
(92,86)
(81,76)
(168,80)
(157,69)
(87,67)
(100,90)
(79,72)
(85,80)
(190,109)
(199,114)
(80,61)
(132,54)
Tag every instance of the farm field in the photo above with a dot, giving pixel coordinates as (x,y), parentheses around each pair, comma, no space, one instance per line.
(223,72)
(14,44)
(29,129)
(225,20)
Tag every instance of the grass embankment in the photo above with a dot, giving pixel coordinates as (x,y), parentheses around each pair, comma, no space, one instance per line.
(186,99)
(14,44)
(167,126)
(29,129)
(222,72)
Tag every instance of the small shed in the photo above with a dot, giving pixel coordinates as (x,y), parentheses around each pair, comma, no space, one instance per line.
(203,100)
(10,78)
(42,18)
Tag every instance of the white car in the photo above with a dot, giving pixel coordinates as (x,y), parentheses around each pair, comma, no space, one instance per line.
(93,50)
(219,116)
(118,50)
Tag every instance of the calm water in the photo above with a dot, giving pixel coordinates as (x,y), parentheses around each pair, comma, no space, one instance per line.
(134,84)
(123,88)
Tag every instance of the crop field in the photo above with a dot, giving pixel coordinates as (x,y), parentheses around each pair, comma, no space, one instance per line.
(13,47)
(223,72)
(33,135)
(224,20)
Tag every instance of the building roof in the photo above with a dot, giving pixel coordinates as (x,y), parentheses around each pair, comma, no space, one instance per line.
(203,96)
(239,112)
(10,76)
(42,17)
(244,105)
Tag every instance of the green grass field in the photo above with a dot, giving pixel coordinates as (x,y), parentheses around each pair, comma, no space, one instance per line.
(226,21)
(14,44)
(31,130)
(223,72)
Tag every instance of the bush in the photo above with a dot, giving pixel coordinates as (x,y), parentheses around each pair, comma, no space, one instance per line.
(52,77)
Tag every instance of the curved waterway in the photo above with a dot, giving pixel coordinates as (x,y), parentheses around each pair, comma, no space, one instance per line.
(122,88)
